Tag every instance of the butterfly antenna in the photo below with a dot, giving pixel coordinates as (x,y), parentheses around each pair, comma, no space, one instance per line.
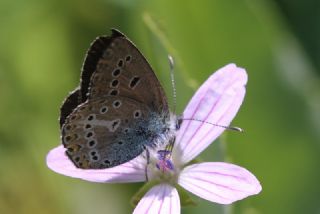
(171,64)
(233,128)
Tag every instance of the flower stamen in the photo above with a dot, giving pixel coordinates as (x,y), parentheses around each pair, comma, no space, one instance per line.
(164,162)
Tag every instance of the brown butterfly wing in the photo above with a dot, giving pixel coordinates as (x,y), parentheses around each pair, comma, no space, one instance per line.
(69,104)
(123,71)
(98,77)
(104,132)
(114,70)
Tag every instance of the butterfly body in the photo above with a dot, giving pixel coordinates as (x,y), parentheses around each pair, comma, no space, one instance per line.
(119,109)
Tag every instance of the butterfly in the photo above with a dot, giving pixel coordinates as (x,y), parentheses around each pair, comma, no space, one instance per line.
(118,111)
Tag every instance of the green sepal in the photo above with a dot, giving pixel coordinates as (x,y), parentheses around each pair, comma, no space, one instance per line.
(141,192)
(185,198)
(194,161)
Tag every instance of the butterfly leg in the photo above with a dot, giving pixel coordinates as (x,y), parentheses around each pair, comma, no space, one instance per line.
(170,146)
(148,162)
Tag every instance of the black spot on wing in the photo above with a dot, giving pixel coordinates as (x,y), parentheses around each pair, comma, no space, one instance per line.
(134,81)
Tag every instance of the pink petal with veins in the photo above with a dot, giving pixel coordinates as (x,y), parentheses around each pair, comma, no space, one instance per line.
(222,183)
(132,171)
(216,101)
(162,198)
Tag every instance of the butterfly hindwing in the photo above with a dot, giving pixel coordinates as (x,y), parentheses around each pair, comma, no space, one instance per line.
(69,104)
(108,131)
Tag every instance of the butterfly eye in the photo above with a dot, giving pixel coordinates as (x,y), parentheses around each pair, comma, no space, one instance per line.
(178,123)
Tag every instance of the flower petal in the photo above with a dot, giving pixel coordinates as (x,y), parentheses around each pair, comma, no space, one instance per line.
(222,183)
(132,171)
(161,198)
(216,101)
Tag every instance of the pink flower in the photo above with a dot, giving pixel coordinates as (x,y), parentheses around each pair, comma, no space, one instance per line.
(217,101)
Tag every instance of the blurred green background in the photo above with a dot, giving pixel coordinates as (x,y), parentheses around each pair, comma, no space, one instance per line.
(42,46)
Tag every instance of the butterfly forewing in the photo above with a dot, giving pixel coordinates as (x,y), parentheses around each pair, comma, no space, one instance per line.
(123,71)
